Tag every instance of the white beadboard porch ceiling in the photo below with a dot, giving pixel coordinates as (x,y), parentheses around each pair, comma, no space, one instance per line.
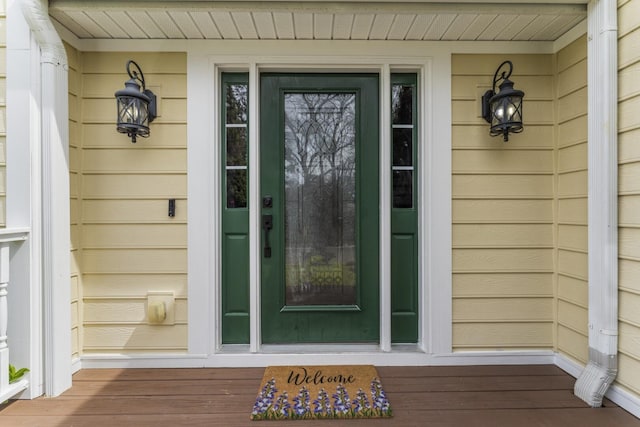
(535,20)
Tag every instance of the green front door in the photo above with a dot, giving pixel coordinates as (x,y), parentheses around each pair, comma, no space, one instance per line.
(319,137)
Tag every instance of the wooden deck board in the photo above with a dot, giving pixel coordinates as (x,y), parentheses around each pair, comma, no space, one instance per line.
(519,396)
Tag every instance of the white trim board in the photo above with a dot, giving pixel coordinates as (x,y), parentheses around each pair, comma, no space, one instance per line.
(378,358)
(228,46)
(203,88)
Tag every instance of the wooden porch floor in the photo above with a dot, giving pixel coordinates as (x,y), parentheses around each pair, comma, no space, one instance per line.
(466,396)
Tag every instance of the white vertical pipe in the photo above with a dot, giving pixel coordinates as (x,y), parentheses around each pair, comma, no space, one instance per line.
(601,370)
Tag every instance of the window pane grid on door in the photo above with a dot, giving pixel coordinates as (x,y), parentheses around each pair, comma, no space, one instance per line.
(402,132)
(236,137)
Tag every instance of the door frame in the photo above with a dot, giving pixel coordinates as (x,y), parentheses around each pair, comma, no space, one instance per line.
(434,181)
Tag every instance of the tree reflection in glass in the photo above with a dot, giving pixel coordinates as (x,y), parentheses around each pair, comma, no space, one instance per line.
(320,195)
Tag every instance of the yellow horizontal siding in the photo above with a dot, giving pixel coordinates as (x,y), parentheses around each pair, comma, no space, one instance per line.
(131,338)
(502,161)
(627,113)
(629,177)
(571,202)
(127,311)
(485,65)
(502,186)
(502,260)
(503,235)
(573,211)
(130,244)
(477,137)
(139,261)
(127,160)
(164,85)
(629,192)
(502,335)
(573,158)
(629,49)
(151,63)
(629,310)
(502,309)
(628,147)
(573,79)
(502,210)
(629,372)
(573,290)
(501,285)
(627,78)
(133,285)
(573,263)
(629,343)
(134,236)
(573,344)
(573,131)
(132,211)
(135,186)
(573,316)
(573,237)
(468,86)
(539,112)
(98,111)
(572,184)
(628,14)
(162,136)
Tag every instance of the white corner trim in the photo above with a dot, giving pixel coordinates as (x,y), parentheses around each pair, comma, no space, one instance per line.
(570,366)
(255,212)
(202,195)
(628,401)
(53,137)
(435,207)
(384,176)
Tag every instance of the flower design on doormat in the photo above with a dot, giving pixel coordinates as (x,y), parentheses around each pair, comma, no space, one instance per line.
(271,406)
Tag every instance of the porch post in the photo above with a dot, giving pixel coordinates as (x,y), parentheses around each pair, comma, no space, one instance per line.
(54,141)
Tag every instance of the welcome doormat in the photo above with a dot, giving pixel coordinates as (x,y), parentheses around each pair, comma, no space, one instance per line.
(313,392)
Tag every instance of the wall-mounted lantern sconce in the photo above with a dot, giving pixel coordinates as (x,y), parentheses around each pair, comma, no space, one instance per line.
(503,110)
(136,107)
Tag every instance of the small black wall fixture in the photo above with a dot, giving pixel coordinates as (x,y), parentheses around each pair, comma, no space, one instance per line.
(136,105)
(503,110)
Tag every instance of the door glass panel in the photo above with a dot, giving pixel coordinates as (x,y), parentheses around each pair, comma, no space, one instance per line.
(320,195)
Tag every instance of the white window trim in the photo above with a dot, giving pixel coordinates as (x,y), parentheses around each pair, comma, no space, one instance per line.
(204,197)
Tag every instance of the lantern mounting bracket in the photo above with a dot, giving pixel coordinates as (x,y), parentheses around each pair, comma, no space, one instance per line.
(133,74)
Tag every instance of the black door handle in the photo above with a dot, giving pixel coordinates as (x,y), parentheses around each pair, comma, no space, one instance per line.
(267,225)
